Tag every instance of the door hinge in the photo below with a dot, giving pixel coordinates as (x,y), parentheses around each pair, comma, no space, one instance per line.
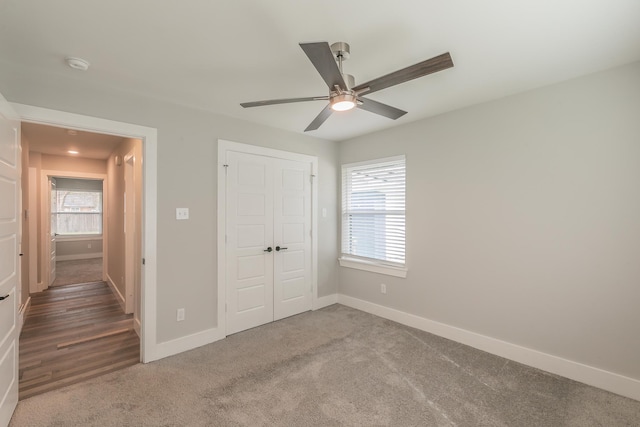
(226,168)
(144,261)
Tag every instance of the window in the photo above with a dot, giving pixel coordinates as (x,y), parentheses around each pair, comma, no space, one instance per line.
(373,216)
(78,207)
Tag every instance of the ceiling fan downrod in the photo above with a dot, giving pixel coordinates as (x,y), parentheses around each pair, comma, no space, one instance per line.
(342,52)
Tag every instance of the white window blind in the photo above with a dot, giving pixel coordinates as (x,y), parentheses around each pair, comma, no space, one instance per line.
(373,211)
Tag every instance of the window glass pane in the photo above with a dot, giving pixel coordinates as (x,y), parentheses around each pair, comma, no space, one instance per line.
(373,211)
(79,212)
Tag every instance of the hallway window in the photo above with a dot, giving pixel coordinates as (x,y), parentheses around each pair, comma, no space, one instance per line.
(78,207)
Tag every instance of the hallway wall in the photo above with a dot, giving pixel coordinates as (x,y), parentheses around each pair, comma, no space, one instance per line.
(25,250)
(115,220)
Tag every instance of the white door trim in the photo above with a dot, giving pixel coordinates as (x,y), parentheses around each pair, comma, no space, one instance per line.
(45,218)
(223,146)
(130,261)
(149,137)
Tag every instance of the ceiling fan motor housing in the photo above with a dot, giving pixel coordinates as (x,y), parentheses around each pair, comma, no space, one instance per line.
(341,49)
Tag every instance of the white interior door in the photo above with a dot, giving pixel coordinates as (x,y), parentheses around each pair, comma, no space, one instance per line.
(53,229)
(268,232)
(249,237)
(9,264)
(292,238)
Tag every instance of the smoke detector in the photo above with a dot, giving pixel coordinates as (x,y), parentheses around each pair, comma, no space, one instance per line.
(77,63)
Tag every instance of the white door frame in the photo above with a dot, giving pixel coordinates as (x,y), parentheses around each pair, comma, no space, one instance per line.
(50,258)
(224,146)
(45,216)
(129,231)
(149,137)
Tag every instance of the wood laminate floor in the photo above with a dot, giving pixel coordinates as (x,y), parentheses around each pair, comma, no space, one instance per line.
(73,333)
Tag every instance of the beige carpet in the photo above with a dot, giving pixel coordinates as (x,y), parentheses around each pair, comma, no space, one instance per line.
(333,367)
(78,271)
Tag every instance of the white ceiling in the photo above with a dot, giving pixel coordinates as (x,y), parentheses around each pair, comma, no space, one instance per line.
(57,141)
(212,55)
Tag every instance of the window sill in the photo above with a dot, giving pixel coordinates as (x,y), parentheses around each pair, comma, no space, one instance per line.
(372,267)
(78,237)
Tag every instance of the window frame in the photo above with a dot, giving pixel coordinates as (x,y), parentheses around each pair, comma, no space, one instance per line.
(361,263)
(82,236)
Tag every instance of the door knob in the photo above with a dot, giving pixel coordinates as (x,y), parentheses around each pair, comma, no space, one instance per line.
(4,297)
(278,248)
(268,249)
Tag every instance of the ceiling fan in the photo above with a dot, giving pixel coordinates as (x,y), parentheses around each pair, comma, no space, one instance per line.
(343,93)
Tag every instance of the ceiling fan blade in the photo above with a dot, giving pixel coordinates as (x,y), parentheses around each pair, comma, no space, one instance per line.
(322,58)
(320,118)
(433,65)
(380,108)
(282,101)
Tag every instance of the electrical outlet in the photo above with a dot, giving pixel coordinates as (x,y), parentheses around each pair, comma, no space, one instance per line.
(180,315)
(89,245)
(182,213)
(383,288)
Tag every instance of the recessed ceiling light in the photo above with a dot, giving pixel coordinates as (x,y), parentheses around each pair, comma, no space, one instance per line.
(77,63)
(72,152)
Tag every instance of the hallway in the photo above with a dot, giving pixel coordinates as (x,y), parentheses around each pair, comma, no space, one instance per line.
(78,271)
(73,333)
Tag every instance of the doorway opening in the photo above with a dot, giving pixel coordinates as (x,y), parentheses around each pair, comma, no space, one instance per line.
(77,224)
(149,347)
(83,319)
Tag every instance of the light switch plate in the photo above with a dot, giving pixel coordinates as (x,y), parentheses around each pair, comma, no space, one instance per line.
(182,213)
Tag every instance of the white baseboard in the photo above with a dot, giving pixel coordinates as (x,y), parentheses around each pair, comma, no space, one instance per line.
(22,313)
(78,256)
(590,375)
(179,345)
(116,292)
(325,301)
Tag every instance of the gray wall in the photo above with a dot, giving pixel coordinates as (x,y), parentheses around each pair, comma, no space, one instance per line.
(68,249)
(523,219)
(187,177)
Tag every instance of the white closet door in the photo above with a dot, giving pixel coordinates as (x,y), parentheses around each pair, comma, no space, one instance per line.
(292,234)
(249,213)
(268,239)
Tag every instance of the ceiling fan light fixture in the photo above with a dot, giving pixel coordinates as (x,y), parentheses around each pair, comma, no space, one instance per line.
(343,102)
